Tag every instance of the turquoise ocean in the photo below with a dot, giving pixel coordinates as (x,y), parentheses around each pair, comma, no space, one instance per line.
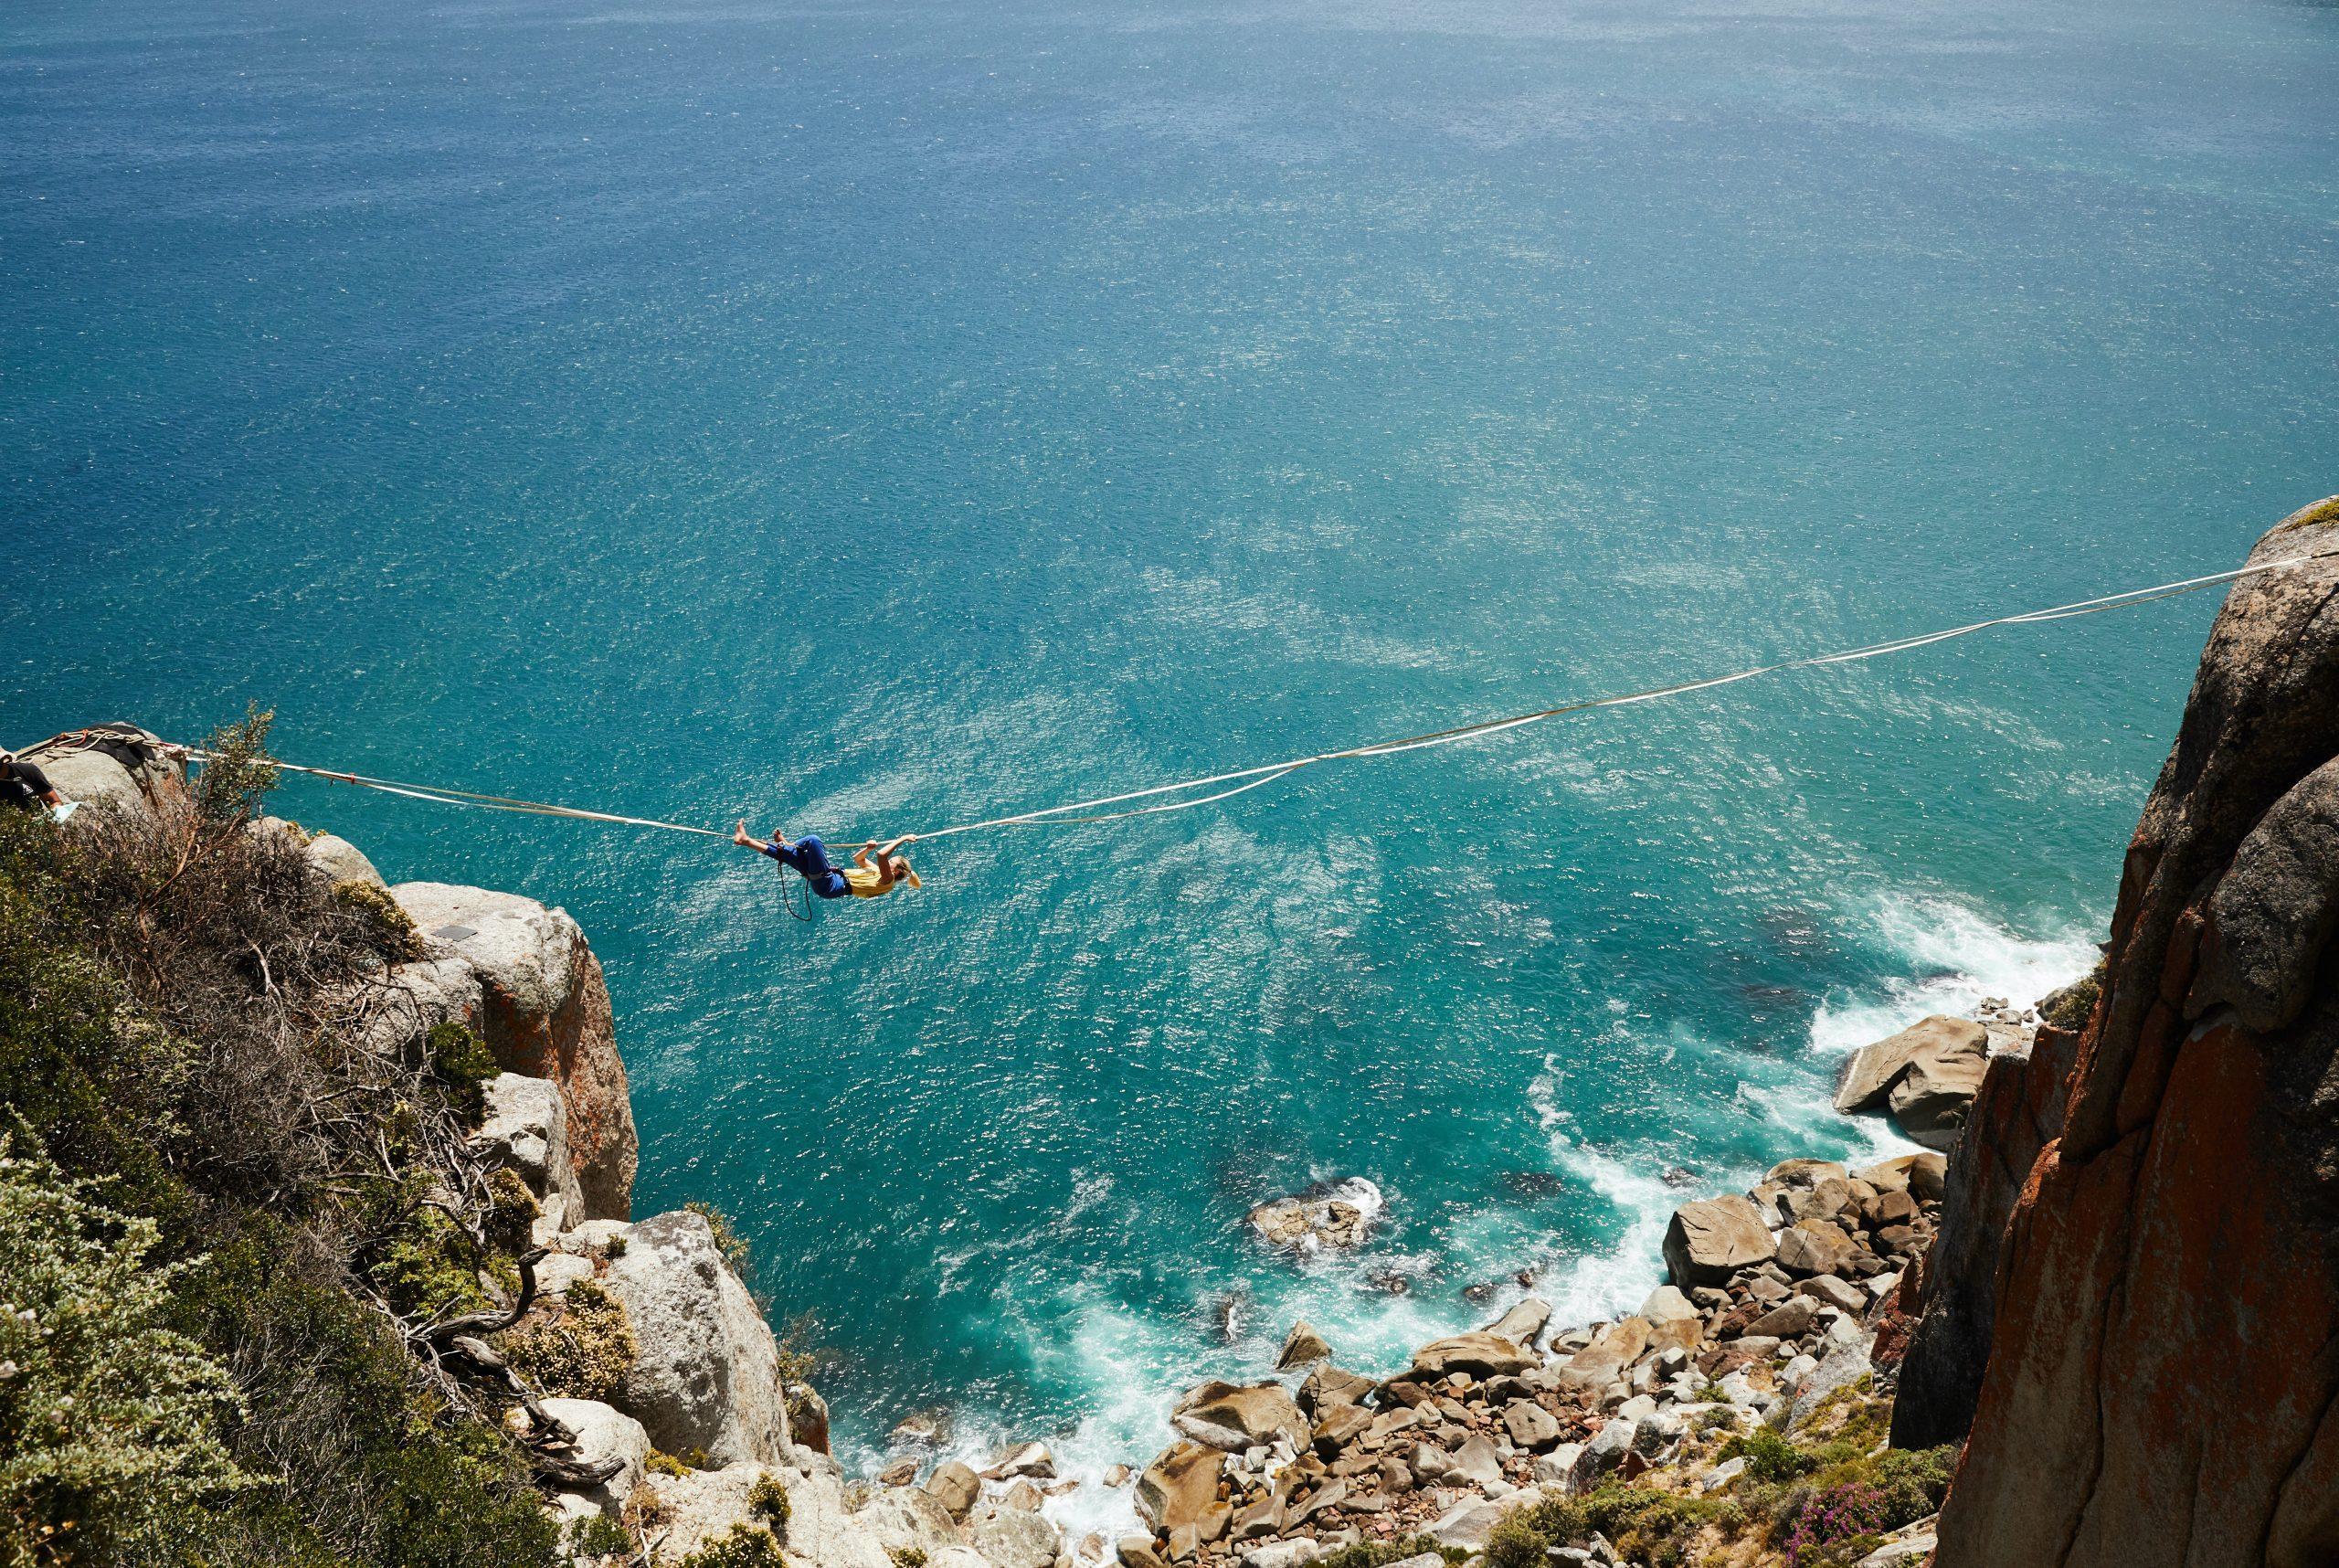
(861,417)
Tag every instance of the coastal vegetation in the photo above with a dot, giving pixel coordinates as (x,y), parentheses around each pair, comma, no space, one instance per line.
(231,1218)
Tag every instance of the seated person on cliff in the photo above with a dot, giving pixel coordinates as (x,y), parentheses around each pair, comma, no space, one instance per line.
(26,787)
(875,870)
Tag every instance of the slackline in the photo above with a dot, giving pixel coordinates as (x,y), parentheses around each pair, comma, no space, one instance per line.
(1225,786)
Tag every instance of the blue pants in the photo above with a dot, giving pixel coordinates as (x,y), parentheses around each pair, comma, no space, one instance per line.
(811,856)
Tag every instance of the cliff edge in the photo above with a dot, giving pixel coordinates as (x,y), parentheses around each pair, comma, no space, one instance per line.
(2161,1312)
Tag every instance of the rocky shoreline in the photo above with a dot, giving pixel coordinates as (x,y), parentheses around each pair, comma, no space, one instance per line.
(655,1359)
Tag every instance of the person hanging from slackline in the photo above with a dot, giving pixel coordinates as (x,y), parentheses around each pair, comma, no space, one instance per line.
(862,879)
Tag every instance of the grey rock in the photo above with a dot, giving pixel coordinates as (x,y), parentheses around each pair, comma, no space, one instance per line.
(706,1371)
(1530,1425)
(1789,1320)
(338,861)
(542,1010)
(604,1434)
(527,1131)
(1840,1294)
(1302,1347)
(1523,1322)
(1232,1417)
(1467,1524)
(1288,1554)
(1477,1461)
(1013,1537)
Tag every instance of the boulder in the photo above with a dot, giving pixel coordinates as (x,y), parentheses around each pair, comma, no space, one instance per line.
(1523,1322)
(1469,1523)
(1288,1554)
(1302,1347)
(101,783)
(1816,1246)
(706,1375)
(912,1517)
(527,1131)
(604,1434)
(1713,1239)
(544,1012)
(1530,1426)
(1872,1071)
(1232,1417)
(1789,1320)
(1668,1305)
(1022,1459)
(1138,1551)
(1604,1451)
(955,1486)
(1603,1360)
(1481,1354)
(1014,1538)
(1478,1462)
(1837,1293)
(1843,1365)
(1327,1385)
(337,861)
(1179,1485)
(1930,1100)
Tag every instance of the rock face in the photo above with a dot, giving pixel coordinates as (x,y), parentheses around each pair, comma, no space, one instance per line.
(2162,1386)
(526,1130)
(544,1011)
(707,1374)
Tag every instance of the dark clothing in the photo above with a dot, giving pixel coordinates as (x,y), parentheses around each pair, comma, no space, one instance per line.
(811,856)
(24,785)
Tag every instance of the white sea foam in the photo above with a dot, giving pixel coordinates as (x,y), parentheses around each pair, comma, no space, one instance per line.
(1957,957)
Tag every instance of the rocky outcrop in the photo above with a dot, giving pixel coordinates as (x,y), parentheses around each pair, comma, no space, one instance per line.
(706,1379)
(2163,1382)
(113,770)
(543,1010)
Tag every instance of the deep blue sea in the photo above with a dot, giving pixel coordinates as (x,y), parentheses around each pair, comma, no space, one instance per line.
(859,417)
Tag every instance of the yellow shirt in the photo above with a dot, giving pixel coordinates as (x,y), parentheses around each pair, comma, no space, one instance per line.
(862,882)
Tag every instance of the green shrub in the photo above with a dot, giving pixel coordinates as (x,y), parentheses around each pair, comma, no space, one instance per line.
(109,1419)
(767,1501)
(1770,1458)
(664,1464)
(748,1546)
(461,1065)
(600,1536)
(1379,1554)
(2072,1006)
(579,1349)
(387,923)
(907,1557)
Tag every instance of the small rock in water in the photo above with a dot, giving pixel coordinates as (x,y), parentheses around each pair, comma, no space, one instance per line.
(1533,1186)
(1480,1294)
(1334,1214)
(902,1472)
(922,1429)
(1678,1176)
(1117,1476)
